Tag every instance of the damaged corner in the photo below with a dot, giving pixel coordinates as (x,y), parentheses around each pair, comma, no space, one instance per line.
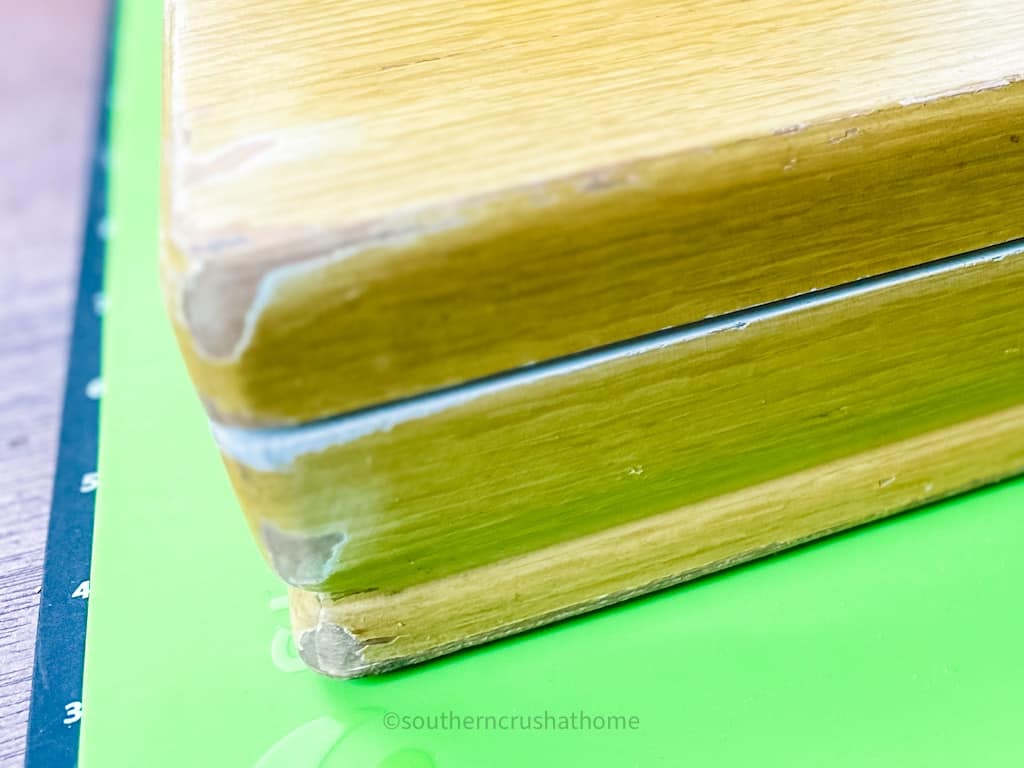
(301,559)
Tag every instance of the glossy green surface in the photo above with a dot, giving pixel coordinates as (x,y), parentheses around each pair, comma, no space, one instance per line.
(899,644)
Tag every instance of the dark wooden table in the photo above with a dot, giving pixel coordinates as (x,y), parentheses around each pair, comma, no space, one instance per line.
(50,54)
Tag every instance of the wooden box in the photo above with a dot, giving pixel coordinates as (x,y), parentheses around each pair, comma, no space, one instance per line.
(505,311)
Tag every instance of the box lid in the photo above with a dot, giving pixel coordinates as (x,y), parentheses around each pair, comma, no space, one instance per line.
(365,202)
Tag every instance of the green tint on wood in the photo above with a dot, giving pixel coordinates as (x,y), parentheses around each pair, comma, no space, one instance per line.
(561,456)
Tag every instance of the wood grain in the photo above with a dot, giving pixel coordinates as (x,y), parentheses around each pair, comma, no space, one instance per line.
(48,67)
(375,632)
(381,502)
(391,199)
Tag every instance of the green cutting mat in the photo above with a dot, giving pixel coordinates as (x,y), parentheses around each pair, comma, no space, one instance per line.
(899,644)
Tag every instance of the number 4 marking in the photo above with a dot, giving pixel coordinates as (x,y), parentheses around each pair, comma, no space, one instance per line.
(82,590)
(94,389)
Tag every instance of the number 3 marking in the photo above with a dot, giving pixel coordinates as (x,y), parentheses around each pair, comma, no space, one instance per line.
(73,710)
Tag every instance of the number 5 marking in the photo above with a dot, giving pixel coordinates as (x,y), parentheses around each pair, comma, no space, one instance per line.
(90,482)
